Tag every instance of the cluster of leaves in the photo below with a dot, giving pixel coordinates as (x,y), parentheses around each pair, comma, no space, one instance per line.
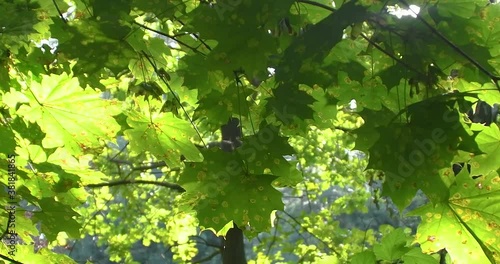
(163,76)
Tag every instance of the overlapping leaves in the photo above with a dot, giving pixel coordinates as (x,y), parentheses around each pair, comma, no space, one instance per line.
(415,148)
(221,190)
(424,147)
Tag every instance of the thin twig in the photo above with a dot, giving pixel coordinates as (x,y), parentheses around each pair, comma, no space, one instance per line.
(313,3)
(313,235)
(206,243)
(177,99)
(171,37)
(121,150)
(406,65)
(195,35)
(207,258)
(59,11)
(273,241)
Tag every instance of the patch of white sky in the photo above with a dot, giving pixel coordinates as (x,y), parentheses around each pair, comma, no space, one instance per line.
(399,12)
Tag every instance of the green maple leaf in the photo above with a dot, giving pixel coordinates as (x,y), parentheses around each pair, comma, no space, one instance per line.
(162,134)
(419,154)
(69,116)
(392,246)
(364,257)
(8,142)
(109,13)
(56,217)
(325,107)
(460,8)
(89,42)
(160,9)
(232,100)
(18,24)
(244,33)
(229,56)
(4,68)
(489,143)
(368,133)
(304,57)
(41,187)
(318,41)
(220,191)
(292,101)
(369,93)
(263,153)
(467,224)
(63,180)
(386,155)
(199,75)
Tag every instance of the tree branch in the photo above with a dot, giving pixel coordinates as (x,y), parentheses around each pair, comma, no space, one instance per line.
(154,165)
(169,185)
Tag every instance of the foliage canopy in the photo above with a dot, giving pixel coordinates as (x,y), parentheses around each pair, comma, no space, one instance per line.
(94,92)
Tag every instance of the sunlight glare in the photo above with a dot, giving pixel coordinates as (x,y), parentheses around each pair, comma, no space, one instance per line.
(400,12)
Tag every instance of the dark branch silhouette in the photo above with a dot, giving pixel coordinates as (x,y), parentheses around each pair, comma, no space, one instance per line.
(169,185)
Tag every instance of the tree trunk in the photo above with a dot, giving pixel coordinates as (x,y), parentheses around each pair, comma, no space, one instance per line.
(234,248)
